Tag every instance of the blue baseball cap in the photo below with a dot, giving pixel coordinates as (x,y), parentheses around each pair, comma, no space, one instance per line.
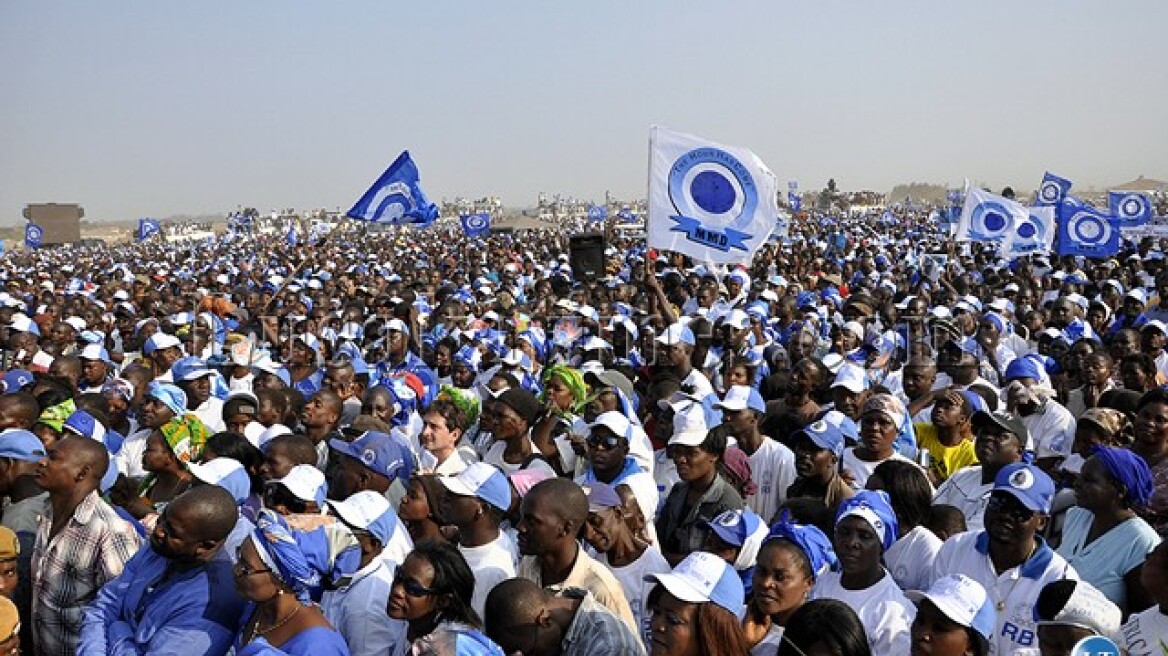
(734,527)
(483,481)
(227,473)
(17,379)
(703,577)
(190,368)
(1029,485)
(86,425)
(825,435)
(1023,367)
(379,452)
(677,333)
(20,444)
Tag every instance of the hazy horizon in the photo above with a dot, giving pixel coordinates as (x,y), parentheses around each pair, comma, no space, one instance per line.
(158,109)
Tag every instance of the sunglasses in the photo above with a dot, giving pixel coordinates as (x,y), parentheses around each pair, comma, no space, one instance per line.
(1010,508)
(412,587)
(609,442)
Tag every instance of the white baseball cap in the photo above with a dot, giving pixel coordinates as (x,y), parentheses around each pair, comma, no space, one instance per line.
(851,377)
(483,481)
(962,600)
(689,426)
(703,577)
(227,473)
(741,397)
(369,511)
(305,482)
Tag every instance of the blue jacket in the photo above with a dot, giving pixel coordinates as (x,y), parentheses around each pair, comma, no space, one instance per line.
(151,610)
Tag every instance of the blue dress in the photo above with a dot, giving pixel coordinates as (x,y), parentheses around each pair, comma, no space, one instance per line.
(316,641)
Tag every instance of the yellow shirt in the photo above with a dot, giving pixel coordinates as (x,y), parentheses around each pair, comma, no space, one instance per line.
(944,460)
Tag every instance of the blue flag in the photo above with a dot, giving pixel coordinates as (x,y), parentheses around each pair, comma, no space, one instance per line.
(33,235)
(147,228)
(1052,191)
(396,197)
(597,213)
(626,215)
(293,237)
(1131,208)
(475,225)
(1086,231)
(796,204)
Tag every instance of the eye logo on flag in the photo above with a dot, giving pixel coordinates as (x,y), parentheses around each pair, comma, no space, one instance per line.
(989,218)
(1087,232)
(1033,234)
(476,224)
(1053,190)
(597,213)
(709,201)
(989,221)
(396,197)
(34,235)
(1129,207)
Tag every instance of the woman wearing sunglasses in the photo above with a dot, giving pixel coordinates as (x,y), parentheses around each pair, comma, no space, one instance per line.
(432,590)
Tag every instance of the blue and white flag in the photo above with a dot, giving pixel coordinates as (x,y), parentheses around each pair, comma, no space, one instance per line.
(1052,191)
(396,197)
(1130,207)
(626,215)
(147,228)
(293,237)
(1086,231)
(475,225)
(792,185)
(714,203)
(597,213)
(1031,236)
(988,217)
(33,235)
(796,203)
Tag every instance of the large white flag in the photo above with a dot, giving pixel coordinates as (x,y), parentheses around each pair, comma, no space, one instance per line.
(1016,229)
(714,203)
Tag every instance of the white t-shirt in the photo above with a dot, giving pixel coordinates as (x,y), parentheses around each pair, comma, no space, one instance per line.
(910,559)
(211,414)
(883,610)
(632,580)
(1013,592)
(965,491)
(769,645)
(1052,431)
(494,457)
(772,467)
(862,469)
(492,563)
(1145,634)
(129,457)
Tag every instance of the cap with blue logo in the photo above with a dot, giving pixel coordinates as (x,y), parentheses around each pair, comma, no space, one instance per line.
(734,527)
(825,435)
(17,379)
(1028,484)
(379,452)
(227,473)
(705,578)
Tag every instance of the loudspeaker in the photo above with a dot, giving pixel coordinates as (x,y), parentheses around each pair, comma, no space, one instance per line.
(586,256)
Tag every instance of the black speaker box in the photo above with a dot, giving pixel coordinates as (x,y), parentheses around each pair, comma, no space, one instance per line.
(586,256)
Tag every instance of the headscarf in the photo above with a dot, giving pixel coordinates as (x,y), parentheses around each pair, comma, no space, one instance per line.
(572,378)
(1130,469)
(185,434)
(736,460)
(304,560)
(874,507)
(54,416)
(1112,422)
(170,395)
(119,387)
(811,541)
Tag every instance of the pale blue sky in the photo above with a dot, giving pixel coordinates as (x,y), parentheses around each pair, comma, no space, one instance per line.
(152,108)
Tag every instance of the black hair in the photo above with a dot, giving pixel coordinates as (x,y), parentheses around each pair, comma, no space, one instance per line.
(1158,395)
(1053,598)
(453,579)
(800,555)
(909,490)
(826,622)
(235,446)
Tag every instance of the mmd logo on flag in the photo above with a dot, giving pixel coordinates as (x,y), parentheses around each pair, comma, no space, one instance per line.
(709,201)
(476,224)
(1053,190)
(1131,208)
(597,213)
(34,235)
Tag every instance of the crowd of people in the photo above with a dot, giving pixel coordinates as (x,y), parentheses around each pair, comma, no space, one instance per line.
(865,440)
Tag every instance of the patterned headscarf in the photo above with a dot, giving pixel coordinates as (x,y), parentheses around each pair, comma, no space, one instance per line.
(305,559)
(572,378)
(54,416)
(186,435)
(466,401)
(169,395)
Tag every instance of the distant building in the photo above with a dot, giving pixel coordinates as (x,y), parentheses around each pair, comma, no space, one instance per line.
(61,223)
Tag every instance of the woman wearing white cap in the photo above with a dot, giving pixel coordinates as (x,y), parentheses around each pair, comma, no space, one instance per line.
(955,617)
(697,609)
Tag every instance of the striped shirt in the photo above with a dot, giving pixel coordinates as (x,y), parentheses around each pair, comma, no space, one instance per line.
(597,631)
(70,568)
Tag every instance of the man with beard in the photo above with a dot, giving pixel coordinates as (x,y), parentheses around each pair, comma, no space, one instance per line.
(175,597)
(1009,559)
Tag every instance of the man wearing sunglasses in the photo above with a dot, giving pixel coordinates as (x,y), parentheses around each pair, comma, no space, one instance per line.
(609,461)
(1009,558)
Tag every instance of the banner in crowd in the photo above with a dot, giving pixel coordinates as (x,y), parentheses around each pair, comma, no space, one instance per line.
(1130,207)
(712,202)
(1157,228)
(1052,191)
(1018,230)
(147,228)
(1086,231)
(475,225)
(33,235)
(396,197)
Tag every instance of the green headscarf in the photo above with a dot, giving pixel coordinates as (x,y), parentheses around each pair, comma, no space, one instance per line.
(573,379)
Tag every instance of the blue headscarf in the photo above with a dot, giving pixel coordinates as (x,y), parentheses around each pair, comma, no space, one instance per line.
(305,559)
(170,395)
(874,507)
(1129,469)
(810,540)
